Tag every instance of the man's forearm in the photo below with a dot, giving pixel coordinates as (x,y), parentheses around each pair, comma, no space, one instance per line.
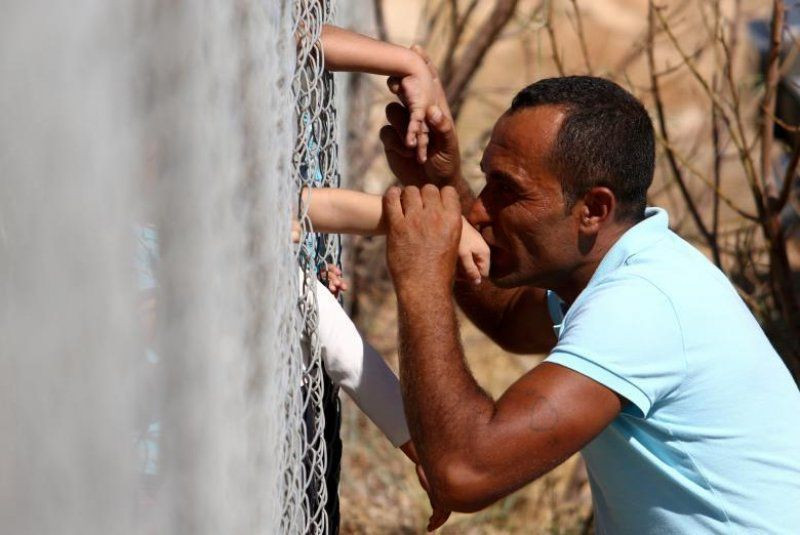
(444,405)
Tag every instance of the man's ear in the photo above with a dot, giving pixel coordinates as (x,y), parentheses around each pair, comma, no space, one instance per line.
(597,208)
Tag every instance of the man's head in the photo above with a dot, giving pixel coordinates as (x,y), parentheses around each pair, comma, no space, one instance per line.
(568,167)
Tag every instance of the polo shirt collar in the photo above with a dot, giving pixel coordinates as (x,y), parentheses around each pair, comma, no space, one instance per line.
(651,229)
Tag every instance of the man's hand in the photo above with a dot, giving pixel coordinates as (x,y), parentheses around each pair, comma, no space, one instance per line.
(423,231)
(442,165)
(439,514)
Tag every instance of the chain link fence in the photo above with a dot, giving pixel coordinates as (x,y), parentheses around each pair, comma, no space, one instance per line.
(313,448)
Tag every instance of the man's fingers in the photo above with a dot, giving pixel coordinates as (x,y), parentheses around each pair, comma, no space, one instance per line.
(398,117)
(438,119)
(392,142)
(423,479)
(411,199)
(450,199)
(393,83)
(438,518)
(392,207)
(430,196)
(443,126)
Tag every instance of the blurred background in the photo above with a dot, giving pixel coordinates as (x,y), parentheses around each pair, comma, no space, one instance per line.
(718,77)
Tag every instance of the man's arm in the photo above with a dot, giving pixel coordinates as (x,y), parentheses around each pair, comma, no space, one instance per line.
(516,319)
(474,450)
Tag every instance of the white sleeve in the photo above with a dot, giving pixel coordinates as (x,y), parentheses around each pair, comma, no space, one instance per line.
(359,370)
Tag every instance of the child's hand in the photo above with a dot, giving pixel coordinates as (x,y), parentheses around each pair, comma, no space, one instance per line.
(333,279)
(296,231)
(418,92)
(473,254)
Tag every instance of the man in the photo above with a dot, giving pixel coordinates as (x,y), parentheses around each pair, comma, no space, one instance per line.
(657,373)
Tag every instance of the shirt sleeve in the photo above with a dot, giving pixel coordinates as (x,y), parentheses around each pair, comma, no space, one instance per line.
(358,369)
(625,335)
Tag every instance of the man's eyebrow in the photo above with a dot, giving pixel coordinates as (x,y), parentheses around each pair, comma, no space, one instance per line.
(503,176)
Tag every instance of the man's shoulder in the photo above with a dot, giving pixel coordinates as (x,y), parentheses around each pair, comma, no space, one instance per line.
(626,306)
(626,289)
(671,270)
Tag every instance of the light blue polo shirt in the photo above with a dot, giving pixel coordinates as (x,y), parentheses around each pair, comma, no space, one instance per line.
(710,439)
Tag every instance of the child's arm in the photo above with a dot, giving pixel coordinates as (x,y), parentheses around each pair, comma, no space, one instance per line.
(349,51)
(343,211)
(359,370)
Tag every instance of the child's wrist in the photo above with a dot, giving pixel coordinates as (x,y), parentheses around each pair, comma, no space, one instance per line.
(414,64)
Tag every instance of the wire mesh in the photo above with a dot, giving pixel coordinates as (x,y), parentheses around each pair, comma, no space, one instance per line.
(311,467)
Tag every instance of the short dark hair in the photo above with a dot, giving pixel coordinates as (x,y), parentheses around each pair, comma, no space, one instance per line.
(606,139)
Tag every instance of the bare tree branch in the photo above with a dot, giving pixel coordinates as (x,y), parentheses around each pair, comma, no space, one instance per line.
(380,20)
(551,34)
(717,171)
(459,23)
(474,52)
(788,181)
(582,37)
(770,98)
(670,153)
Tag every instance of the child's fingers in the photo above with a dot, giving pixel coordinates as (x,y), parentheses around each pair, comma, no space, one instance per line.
(416,125)
(422,143)
(482,260)
(295,231)
(470,269)
(422,147)
(411,133)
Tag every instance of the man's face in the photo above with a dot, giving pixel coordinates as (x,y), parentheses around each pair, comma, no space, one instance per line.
(521,211)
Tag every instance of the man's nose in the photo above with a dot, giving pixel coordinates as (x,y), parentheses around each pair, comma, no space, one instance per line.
(478,215)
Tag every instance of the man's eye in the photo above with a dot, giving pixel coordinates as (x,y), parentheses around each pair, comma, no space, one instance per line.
(504,189)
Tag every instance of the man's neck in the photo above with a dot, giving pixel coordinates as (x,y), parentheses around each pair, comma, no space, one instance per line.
(582,274)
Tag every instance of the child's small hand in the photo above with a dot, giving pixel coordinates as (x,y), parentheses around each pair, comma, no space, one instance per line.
(296,231)
(418,92)
(473,254)
(333,279)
